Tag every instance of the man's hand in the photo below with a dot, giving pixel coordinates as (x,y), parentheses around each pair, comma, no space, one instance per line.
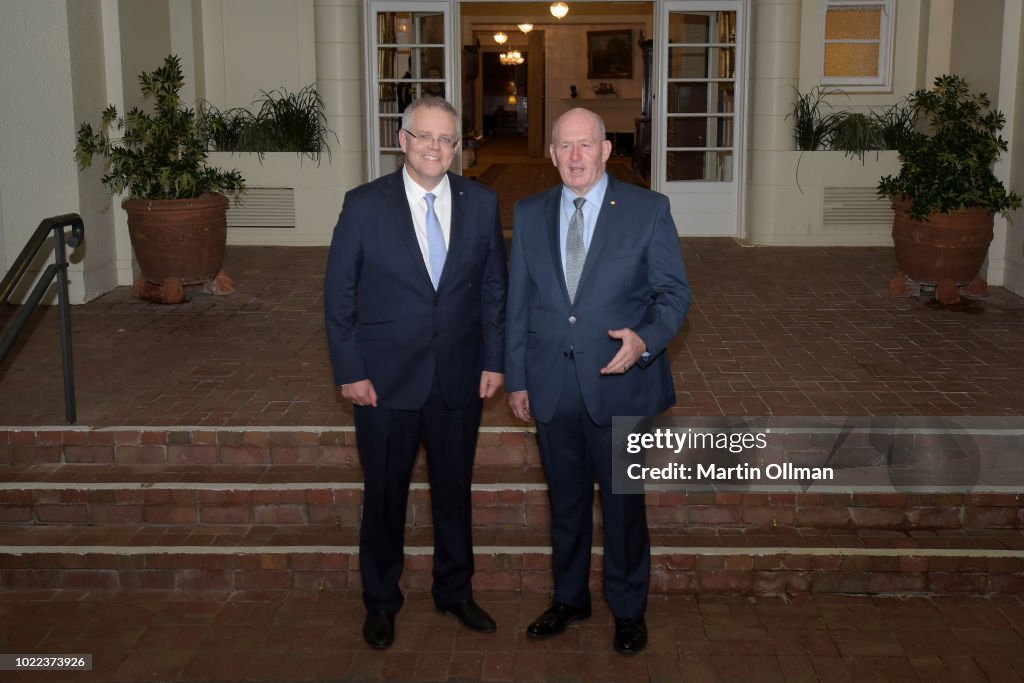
(490,382)
(361,393)
(629,353)
(520,403)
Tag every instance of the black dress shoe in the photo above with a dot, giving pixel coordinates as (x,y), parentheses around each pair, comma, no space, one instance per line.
(379,630)
(471,615)
(555,619)
(630,635)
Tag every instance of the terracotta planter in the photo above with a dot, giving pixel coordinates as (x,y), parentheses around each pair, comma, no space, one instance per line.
(945,247)
(180,238)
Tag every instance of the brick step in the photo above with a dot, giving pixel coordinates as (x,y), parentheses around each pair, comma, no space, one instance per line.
(264,558)
(238,536)
(912,455)
(226,446)
(506,497)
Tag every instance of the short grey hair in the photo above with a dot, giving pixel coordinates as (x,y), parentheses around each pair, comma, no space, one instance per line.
(432,102)
(603,132)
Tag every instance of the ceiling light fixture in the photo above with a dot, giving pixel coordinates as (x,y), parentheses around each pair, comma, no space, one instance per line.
(500,37)
(525,28)
(559,10)
(511,58)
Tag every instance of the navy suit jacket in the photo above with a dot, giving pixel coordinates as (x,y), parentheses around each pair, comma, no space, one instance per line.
(634,276)
(384,320)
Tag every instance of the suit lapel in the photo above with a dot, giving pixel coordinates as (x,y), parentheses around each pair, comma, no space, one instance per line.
(553,208)
(606,218)
(459,232)
(405,231)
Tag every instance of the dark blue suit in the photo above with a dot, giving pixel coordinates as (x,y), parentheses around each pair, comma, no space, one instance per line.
(634,277)
(424,352)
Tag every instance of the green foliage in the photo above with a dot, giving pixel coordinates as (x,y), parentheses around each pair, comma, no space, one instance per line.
(162,155)
(282,122)
(854,133)
(895,124)
(812,126)
(949,167)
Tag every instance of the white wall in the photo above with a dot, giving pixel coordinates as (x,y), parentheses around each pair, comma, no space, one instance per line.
(253,45)
(1006,257)
(145,34)
(565,62)
(37,177)
(89,97)
(976,44)
(778,213)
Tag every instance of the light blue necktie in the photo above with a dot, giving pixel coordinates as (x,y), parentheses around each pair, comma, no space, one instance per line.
(436,251)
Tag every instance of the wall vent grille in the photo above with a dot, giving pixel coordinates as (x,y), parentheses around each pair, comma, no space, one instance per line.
(263,207)
(855,207)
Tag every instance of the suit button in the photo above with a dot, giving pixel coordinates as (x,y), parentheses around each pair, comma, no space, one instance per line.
(434,336)
(572,320)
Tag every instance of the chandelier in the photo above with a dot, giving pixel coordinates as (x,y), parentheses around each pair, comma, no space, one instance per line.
(511,58)
(559,9)
(525,28)
(500,37)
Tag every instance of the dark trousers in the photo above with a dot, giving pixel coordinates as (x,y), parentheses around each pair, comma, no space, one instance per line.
(388,442)
(574,449)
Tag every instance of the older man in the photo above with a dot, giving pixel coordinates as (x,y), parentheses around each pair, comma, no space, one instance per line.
(597,290)
(415,305)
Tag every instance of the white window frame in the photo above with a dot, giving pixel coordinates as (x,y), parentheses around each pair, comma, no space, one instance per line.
(883,79)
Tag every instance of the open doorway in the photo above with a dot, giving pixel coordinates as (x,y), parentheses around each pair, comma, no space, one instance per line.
(597,57)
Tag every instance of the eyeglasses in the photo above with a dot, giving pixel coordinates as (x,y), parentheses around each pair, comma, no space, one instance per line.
(429,140)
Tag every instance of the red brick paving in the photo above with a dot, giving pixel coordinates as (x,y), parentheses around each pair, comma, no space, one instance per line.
(297,636)
(773,331)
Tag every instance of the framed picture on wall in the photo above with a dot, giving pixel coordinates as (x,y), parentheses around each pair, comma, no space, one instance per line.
(610,53)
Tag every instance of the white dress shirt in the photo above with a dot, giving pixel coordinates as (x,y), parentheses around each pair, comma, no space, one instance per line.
(418,206)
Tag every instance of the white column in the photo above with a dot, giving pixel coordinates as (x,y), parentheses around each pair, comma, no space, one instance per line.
(340,79)
(1005,265)
(940,40)
(775,70)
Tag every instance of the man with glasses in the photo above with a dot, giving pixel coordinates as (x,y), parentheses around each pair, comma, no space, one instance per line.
(414,297)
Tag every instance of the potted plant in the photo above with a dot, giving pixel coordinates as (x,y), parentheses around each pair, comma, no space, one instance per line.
(280,121)
(176,212)
(946,193)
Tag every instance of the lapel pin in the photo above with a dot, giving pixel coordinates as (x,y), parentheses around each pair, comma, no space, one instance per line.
(613,202)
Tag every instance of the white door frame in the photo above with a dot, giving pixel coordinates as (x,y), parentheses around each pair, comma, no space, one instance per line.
(702,207)
(682,197)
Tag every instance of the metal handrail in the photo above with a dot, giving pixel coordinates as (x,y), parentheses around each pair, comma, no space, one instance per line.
(58,268)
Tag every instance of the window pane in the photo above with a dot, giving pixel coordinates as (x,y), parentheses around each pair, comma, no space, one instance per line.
(853,23)
(689,28)
(688,62)
(687,98)
(699,98)
(699,166)
(851,59)
(687,133)
(712,131)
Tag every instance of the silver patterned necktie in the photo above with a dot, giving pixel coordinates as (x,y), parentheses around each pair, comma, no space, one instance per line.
(575,253)
(436,250)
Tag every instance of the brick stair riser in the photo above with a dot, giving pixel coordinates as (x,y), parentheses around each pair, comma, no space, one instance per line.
(202,447)
(508,508)
(507,448)
(671,573)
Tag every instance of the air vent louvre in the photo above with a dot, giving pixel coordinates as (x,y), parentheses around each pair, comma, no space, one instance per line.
(263,207)
(856,207)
